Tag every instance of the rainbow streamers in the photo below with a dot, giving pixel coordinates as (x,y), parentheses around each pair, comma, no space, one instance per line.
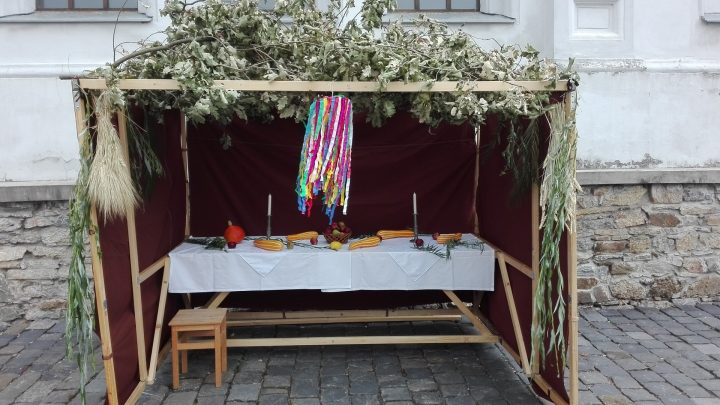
(325,157)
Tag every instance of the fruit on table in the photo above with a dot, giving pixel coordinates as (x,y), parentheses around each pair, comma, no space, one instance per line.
(268,244)
(419,242)
(336,232)
(366,242)
(335,245)
(314,241)
(302,236)
(444,238)
(405,233)
(233,235)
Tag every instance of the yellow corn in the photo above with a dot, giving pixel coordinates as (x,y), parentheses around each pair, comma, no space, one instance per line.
(406,233)
(302,236)
(444,238)
(268,244)
(366,242)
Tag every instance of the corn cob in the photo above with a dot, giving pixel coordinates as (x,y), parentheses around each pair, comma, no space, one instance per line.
(385,234)
(268,244)
(302,236)
(366,242)
(444,238)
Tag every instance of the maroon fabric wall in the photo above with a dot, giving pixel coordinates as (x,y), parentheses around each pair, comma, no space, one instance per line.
(160,224)
(505,222)
(389,164)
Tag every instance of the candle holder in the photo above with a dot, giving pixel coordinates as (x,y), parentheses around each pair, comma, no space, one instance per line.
(269,217)
(415,225)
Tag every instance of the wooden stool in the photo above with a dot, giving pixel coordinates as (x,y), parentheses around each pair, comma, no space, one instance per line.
(189,323)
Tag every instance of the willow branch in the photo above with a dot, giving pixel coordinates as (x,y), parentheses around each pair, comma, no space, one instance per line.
(158,49)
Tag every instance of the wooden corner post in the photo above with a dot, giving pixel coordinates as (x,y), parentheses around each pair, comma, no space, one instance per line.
(97,271)
(186,170)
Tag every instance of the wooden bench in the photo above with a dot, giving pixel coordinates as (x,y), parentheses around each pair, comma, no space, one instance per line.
(187,328)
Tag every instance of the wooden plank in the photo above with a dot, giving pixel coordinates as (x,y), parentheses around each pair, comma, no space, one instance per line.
(134,262)
(513,315)
(216,300)
(554,396)
(535,229)
(353,319)
(155,350)
(252,315)
(186,170)
(512,261)
(339,86)
(362,340)
(152,269)
(335,314)
(479,325)
(136,393)
(102,313)
(98,279)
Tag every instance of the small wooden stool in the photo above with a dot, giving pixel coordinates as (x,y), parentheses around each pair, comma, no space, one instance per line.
(189,323)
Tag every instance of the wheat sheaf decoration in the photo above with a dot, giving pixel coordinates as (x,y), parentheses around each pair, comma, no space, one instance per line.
(110,185)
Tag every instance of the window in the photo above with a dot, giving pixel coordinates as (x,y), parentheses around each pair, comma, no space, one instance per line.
(438,5)
(87,4)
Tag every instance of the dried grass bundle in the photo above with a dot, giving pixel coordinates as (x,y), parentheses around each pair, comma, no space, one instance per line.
(110,185)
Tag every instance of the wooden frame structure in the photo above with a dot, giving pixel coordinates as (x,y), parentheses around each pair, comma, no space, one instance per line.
(147,371)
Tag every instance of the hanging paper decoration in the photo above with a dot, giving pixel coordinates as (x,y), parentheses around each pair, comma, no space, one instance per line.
(325,157)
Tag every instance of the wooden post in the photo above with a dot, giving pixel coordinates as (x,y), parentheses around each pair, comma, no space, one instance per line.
(535,229)
(513,314)
(155,350)
(186,167)
(98,279)
(572,288)
(134,263)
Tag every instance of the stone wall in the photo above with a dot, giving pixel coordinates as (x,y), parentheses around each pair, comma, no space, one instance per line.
(648,242)
(635,243)
(34,258)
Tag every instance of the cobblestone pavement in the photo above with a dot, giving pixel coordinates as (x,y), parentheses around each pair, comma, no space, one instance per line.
(626,356)
(650,356)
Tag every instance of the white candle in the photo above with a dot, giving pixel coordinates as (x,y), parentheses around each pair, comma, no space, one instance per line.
(269,204)
(414,203)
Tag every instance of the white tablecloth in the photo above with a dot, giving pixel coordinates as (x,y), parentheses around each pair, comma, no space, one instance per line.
(393,265)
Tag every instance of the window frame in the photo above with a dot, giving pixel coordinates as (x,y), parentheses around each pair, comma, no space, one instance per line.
(448,8)
(71,7)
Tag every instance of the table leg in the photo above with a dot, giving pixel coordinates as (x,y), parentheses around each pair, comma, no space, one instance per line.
(184,362)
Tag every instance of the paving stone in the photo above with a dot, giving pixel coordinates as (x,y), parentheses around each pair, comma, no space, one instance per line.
(640,394)
(18,386)
(333,394)
(274,399)
(181,398)
(37,391)
(364,400)
(305,401)
(276,381)
(304,388)
(395,394)
(421,385)
(244,392)
(427,397)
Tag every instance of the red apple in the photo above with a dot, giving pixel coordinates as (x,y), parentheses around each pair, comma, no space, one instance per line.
(314,241)
(419,242)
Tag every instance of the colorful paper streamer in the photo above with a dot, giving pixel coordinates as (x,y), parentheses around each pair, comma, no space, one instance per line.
(326,156)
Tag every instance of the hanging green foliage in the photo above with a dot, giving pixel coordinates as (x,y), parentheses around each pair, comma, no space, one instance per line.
(79,318)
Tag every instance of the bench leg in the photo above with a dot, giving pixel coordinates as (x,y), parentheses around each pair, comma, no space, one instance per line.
(175,361)
(218,356)
(184,362)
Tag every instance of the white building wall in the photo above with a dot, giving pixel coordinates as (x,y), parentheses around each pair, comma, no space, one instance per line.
(649,92)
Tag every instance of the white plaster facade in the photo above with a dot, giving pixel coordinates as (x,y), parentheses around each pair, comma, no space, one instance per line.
(649,93)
